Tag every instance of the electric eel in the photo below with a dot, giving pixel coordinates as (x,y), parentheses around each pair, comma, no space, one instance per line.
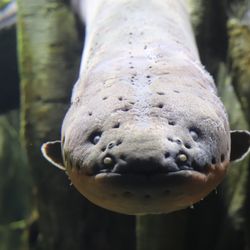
(146,132)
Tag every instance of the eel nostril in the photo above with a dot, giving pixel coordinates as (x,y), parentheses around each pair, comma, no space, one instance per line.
(111,145)
(182,158)
(108,161)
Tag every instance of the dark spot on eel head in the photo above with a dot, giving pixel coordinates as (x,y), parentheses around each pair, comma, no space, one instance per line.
(172,123)
(187,145)
(125,109)
(117,125)
(119,142)
(167,154)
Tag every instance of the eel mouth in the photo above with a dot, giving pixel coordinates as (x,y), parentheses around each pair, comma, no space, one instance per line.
(136,193)
(146,169)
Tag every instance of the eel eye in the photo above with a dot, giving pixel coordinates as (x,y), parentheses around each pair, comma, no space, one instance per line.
(95,137)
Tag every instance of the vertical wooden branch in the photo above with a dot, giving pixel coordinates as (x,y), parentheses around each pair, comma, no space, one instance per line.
(220,216)
(239,53)
(162,232)
(239,56)
(49,60)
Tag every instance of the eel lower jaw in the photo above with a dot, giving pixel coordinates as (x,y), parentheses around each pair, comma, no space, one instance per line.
(146,170)
(136,194)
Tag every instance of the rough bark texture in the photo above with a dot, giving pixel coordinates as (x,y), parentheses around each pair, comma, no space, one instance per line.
(239,62)
(15,193)
(9,87)
(49,55)
(239,54)
(222,217)
(159,232)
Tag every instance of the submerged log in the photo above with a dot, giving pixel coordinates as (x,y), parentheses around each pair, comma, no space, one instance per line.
(48,58)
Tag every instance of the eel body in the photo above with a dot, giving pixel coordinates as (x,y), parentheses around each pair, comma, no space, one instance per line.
(146,131)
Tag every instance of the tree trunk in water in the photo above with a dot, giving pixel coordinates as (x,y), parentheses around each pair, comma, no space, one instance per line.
(15,184)
(218,222)
(49,55)
(159,232)
(239,55)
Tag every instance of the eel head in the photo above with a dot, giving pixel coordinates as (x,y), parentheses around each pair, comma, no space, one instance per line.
(146,161)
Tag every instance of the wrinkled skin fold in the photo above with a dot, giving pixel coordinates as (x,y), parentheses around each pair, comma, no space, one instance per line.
(146,132)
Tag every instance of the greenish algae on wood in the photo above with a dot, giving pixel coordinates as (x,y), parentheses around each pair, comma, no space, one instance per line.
(239,58)
(239,52)
(162,232)
(221,216)
(234,187)
(15,185)
(49,55)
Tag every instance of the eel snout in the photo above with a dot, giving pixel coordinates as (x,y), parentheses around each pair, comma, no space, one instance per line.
(155,155)
(167,173)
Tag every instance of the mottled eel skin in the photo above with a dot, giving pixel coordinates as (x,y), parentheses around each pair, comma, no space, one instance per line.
(146,132)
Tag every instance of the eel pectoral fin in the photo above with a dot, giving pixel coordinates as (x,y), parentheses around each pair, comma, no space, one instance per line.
(240,144)
(52,152)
